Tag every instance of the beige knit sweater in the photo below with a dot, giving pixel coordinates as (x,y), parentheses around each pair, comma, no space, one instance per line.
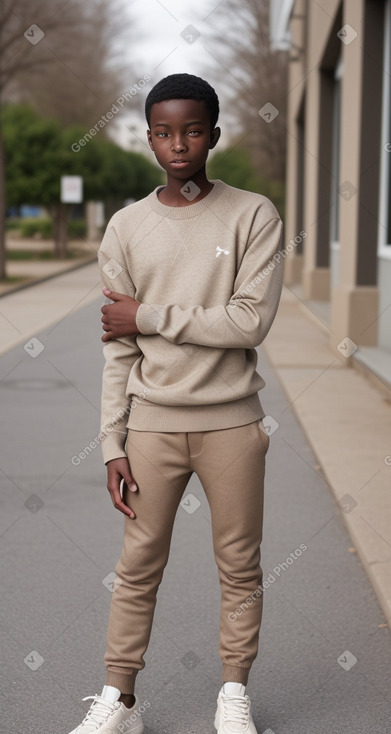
(209,279)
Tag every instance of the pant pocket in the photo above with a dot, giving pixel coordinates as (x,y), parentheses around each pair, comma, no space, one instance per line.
(126,440)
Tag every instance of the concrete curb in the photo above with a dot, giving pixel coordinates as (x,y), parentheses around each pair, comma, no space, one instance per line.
(37,281)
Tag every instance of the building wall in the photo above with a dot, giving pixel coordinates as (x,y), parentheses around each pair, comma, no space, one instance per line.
(315,189)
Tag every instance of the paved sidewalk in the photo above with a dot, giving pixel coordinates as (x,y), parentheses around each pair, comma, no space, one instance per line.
(27,311)
(325,648)
(30,272)
(347,422)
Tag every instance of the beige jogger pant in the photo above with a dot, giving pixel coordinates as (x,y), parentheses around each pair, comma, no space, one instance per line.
(230,464)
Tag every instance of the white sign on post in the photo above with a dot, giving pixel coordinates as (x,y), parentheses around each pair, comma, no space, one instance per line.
(71,189)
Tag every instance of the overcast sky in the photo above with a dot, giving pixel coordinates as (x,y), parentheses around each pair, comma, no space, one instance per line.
(159,49)
(162,47)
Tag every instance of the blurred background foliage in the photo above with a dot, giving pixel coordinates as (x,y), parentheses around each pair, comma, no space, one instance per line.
(52,93)
(235,167)
(38,151)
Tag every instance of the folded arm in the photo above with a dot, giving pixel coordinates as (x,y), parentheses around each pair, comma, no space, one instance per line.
(246,319)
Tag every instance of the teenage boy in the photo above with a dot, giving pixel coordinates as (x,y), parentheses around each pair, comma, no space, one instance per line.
(195,277)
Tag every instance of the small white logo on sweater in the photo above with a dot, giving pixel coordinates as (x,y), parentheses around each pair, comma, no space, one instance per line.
(220,251)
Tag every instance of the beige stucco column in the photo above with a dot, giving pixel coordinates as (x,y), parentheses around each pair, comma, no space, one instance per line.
(294,182)
(317,161)
(355,306)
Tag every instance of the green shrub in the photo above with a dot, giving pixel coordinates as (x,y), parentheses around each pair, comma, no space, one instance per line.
(31,227)
(12,223)
(77,229)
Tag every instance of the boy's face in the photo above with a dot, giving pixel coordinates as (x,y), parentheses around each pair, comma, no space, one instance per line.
(180,136)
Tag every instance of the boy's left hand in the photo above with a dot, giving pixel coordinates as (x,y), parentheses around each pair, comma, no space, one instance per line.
(119,318)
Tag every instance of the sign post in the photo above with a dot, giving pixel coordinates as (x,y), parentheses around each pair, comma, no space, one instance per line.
(71,192)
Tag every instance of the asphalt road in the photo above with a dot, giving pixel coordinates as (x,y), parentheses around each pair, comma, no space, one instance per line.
(324,661)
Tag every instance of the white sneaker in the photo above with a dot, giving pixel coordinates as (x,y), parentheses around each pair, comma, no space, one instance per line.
(106,717)
(233,714)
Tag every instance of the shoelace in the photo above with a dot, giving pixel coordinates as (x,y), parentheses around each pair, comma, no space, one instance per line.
(99,711)
(236,708)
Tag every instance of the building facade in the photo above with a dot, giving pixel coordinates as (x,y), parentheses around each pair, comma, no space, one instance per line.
(339,164)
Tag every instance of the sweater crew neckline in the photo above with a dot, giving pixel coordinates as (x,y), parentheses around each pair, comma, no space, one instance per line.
(189,211)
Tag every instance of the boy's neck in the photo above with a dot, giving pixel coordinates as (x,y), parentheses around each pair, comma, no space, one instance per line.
(172,195)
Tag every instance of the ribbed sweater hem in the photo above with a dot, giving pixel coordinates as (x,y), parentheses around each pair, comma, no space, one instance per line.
(167,418)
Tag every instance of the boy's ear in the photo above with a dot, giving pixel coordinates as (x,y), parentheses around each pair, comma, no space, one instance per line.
(214,137)
(149,137)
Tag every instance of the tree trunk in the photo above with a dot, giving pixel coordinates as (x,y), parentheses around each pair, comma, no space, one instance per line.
(3,269)
(60,222)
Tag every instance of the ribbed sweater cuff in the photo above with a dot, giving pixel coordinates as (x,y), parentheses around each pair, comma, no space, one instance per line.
(113,446)
(148,318)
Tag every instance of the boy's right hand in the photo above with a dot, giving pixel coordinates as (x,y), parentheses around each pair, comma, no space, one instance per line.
(118,469)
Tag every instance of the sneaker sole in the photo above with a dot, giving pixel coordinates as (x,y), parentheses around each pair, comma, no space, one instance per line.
(138,729)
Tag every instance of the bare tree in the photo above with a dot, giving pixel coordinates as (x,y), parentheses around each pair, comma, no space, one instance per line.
(251,76)
(84,85)
(65,57)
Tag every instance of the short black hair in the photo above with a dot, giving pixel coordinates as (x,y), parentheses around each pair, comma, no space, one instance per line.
(184,86)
